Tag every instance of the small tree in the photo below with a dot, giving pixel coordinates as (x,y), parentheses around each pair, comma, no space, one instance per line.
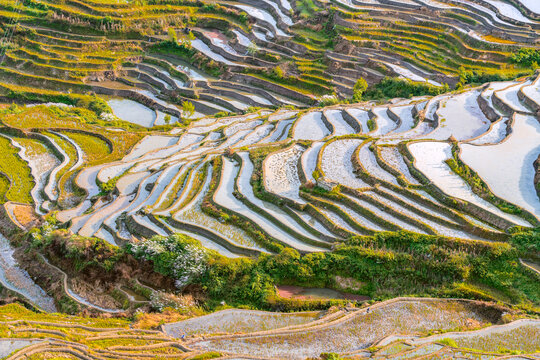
(252,48)
(278,72)
(359,89)
(173,37)
(188,109)
(167,119)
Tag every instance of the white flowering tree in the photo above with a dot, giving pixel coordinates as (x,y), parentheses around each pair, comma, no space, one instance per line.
(177,255)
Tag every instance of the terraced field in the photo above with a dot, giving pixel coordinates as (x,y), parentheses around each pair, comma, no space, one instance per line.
(234,56)
(365,148)
(246,335)
(250,184)
(386,323)
(425,167)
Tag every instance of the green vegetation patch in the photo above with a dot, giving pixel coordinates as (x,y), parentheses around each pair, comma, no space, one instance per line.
(388,264)
(17,171)
(526,57)
(390,88)
(94,148)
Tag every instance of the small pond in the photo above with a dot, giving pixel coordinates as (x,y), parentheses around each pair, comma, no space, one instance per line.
(133,112)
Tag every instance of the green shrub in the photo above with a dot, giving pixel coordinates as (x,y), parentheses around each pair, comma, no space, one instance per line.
(108,187)
(359,88)
(527,241)
(402,88)
(389,263)
(188,109)
(173,47)
(82,252)
(278,72)
(526,57)
(481,77)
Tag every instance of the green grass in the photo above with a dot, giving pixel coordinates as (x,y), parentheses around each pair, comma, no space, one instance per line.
(208,355)
(17,171)
(4,187)
(307,8)
(94,148)
(78,118)
(18,312)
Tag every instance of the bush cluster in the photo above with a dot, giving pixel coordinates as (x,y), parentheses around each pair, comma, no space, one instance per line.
(82,251)
(402,88)
(481,77)
(177,256)
(526,57)
(388,264)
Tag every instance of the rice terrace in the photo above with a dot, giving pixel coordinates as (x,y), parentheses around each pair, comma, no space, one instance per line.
(269,179)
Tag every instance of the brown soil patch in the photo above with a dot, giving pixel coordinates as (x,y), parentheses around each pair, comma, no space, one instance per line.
(26,216)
